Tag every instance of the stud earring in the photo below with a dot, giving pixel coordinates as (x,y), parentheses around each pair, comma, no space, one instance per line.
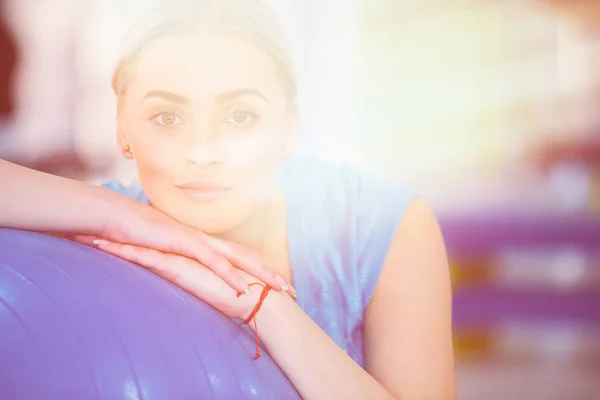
(126,152)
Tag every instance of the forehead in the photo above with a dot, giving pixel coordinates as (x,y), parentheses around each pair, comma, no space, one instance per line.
(205,64)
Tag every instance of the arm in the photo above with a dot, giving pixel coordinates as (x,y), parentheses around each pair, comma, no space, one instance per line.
(32,200)
(408,335)
(408,348)
(37,201)
(317,366)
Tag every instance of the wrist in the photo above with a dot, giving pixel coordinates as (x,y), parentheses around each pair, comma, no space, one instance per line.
(265,320)
(272,307)
(91,208)
(253,301)
(114,210)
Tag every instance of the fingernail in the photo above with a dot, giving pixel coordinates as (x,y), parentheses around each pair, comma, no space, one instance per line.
(282,282)
(291,291)
(99,242)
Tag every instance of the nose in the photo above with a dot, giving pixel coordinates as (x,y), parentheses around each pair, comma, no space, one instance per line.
(204,149)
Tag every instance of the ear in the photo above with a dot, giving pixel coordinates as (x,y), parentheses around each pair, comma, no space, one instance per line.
(122,139)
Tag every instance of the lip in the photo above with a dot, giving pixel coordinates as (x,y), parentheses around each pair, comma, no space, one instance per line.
(203,191)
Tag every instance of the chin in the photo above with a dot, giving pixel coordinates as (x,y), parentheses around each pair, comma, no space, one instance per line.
(214,218)
(211,223)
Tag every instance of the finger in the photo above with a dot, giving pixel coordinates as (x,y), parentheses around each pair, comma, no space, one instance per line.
(249,261)
(86,239)
(218,263)
(164,265)
(196,247)
(128,252)
(181,271)
(152,260)
(202,252)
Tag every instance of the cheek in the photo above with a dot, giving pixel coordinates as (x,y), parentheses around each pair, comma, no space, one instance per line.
(255,162)
(155,157)
(255,150)
(257,172)
(256,158)
(250,153)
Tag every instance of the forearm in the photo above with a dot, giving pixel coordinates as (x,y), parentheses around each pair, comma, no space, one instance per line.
(37,201)
(317,366)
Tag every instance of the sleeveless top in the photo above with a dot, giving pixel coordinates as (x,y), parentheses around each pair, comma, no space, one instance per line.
(340,226)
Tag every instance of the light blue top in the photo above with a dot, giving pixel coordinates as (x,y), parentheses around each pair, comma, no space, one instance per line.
(340,226)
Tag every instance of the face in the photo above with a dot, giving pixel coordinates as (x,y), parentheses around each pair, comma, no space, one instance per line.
(207,119)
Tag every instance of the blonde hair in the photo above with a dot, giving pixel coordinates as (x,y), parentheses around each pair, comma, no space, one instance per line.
(251,18)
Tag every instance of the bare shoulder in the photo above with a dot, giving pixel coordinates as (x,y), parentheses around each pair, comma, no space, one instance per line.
(408,323)
(418,235)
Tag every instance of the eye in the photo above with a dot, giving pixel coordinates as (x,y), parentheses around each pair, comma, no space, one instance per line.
(241,117)
(168,118)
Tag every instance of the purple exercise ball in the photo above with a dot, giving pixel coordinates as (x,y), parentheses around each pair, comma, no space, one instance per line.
(77,323)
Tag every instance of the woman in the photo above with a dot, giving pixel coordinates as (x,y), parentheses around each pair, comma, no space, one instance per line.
(207,109)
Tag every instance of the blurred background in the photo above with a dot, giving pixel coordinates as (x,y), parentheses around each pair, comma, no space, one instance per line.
(489,109)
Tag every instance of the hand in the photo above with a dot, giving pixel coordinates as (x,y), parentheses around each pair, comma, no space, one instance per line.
(191,276)
(145,227)
(71,207)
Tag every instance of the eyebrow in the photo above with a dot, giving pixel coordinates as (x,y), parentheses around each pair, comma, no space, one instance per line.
(163,94)
(220,98)
(223,97)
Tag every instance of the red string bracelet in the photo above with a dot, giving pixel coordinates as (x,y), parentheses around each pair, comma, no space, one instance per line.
(252,316)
